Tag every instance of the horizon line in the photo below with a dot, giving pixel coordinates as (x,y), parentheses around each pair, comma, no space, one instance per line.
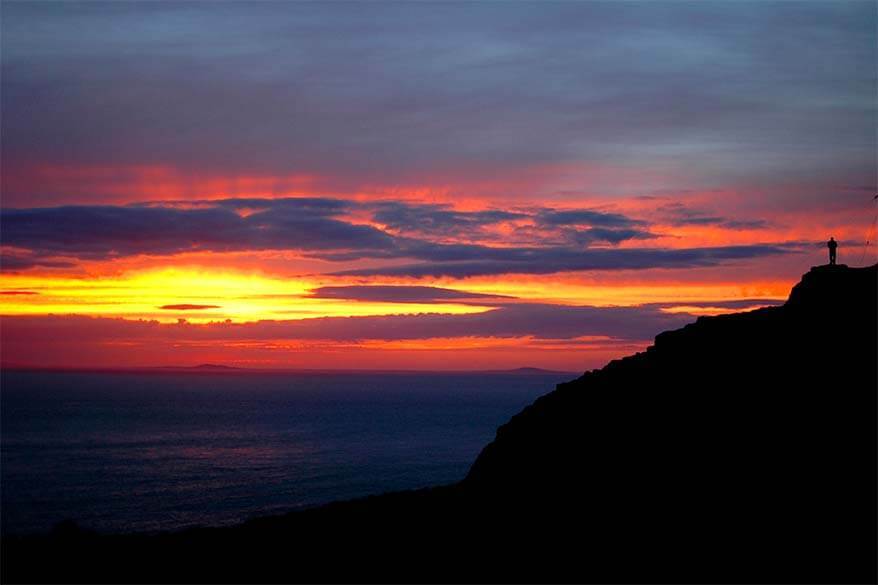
(225,369)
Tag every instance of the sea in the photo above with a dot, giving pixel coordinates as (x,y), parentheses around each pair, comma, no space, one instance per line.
(150,451)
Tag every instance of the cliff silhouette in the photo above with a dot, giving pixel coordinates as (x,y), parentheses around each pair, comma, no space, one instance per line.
(740,448)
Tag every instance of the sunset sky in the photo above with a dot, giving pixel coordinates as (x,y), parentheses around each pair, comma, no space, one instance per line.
(467,185)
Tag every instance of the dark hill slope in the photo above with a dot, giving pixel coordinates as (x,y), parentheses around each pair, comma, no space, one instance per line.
(740,448)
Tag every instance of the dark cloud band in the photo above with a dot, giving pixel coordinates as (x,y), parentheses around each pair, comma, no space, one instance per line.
(549,261)
(402,294)
(539,321)
(319,228)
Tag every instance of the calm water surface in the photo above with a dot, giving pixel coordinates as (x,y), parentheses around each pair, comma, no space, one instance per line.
(143,452)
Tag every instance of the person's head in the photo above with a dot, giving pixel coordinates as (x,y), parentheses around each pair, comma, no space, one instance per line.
(831,238)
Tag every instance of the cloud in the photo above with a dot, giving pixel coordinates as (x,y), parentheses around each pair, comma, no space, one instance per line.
(586,217)
(677,213)
(745,224)
(698,93)
(732,304)
(402,294)
(97,232)
(18,292)
(540,321)
(611,236)
(186,307)
(321,229)
(427,219)
(313,206)
(17,260)
(552,260)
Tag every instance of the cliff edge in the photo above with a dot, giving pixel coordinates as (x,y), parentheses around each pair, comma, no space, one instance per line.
(740,447)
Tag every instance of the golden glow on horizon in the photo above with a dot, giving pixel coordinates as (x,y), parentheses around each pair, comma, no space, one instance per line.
(627,295)
(236,296)
(247,296)
(257,285)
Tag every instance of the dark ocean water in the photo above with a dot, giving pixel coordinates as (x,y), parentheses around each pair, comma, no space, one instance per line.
(121,452)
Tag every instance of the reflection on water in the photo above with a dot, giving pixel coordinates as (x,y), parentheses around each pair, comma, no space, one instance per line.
(135,452)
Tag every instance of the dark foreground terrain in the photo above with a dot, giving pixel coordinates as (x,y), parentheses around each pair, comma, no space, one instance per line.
(741,448)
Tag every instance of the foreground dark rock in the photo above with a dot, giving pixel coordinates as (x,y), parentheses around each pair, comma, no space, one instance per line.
(741,448)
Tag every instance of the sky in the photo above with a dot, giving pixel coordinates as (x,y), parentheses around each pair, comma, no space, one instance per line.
(401,185)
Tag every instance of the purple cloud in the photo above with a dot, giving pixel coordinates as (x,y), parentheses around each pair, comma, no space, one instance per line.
(552,260)
(402,294)
(540,321)
(462,87)
(317,228)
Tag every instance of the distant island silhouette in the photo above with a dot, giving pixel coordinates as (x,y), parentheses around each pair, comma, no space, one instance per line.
(225,369)
(740,448)
(202,367)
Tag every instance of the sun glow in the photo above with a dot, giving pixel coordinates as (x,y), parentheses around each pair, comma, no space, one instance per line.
(198,296)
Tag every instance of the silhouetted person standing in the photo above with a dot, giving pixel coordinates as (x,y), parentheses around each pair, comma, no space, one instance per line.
(833,246)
